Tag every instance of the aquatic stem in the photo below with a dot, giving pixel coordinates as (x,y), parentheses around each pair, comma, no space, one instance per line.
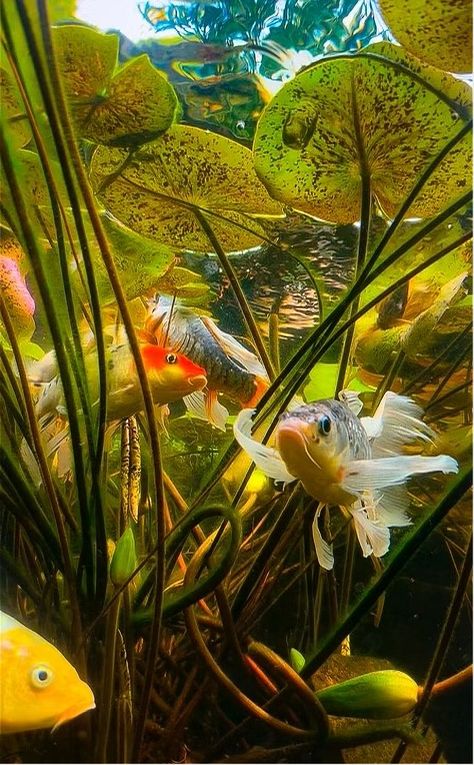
(365,220)
(40,455)
(239,294)
(108,678)
(425,371)
(444,686)
(442,644)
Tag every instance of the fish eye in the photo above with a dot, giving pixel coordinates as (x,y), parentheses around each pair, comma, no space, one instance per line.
(324,425)
(171,358)
(41,676)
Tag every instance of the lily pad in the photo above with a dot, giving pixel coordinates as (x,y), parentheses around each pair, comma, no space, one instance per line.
(126,107)
(140,262)
(157,190)
(13,110)
(436,31)
(345,114)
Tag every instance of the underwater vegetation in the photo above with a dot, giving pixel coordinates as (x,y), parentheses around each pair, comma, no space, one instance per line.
(228,534)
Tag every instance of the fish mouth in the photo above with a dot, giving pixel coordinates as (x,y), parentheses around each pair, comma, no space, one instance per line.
(198,381)
(84,704)
(292,433)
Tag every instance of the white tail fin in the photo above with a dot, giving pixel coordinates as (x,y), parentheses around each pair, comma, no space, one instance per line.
(373,536)
(323,549)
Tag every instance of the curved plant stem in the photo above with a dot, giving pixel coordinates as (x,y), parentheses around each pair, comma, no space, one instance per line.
(108,681)
(239,294)
(444,686)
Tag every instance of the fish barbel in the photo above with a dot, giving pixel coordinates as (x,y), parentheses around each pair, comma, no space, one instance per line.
(354,463)
(39,687)
(231,369)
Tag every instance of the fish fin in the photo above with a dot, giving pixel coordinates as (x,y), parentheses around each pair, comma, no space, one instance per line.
(391,506)
(373,536)
(363,475)
(146,336)
(267,459)
(261,387)
(323,549)
(206,406)
(396,422)
(234,349)
(162,413)
(351,399)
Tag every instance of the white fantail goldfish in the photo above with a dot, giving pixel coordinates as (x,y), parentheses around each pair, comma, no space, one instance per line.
(39,687)
(354,463)
(231,368)
(171,376)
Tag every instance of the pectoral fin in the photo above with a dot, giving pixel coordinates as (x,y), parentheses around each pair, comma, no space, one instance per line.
(373,536)
(267,459)
(206,406)
(323,549)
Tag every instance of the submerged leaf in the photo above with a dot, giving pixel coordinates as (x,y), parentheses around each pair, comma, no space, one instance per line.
(140,262)
(131,107)
(13,109)
(437,31)
(155,190)
(344,116)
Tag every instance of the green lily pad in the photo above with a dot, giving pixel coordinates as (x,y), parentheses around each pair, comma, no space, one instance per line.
(342,114)
(188,286)
(156,190)
(13,110)
(140,262)
(437,31)
(124,108)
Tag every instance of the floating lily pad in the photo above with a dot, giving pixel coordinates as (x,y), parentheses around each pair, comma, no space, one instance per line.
(437,31)
(126,107)
(342,114)
(156,190)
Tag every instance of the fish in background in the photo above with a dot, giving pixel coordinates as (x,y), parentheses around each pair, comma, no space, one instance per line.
(171,376)
(356,464)
(231,369)
(39,687)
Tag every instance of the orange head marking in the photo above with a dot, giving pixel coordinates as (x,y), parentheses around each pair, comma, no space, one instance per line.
(175,374)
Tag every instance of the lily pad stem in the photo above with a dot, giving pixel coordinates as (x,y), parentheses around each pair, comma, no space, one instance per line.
(238,292)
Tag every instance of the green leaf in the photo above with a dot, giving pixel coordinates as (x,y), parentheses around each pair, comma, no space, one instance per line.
(188,286)
(322,382)
(13,110)
(126,109)
(154,191)
(325,126)
(438,32)
(140,262)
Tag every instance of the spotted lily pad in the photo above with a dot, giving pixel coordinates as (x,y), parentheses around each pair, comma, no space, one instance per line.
(157,190)
(13,110)
(342,114)
(436,31)
(119,107)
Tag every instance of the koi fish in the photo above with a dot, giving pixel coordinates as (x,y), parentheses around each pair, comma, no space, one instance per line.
(354,463)
(231,369)
(40,688)
(171,376)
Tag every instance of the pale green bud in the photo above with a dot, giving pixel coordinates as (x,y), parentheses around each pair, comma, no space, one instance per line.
(378,695)
(124,559)
(297,660)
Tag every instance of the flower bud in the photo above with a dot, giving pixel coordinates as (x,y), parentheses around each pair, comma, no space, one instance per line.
(377,695)
(124,560)
(297,660)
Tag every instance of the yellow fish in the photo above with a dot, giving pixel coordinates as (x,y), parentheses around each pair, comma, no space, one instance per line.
(355,463)
(39,688)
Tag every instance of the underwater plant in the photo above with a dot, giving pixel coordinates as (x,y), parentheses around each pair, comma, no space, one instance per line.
(176,576)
